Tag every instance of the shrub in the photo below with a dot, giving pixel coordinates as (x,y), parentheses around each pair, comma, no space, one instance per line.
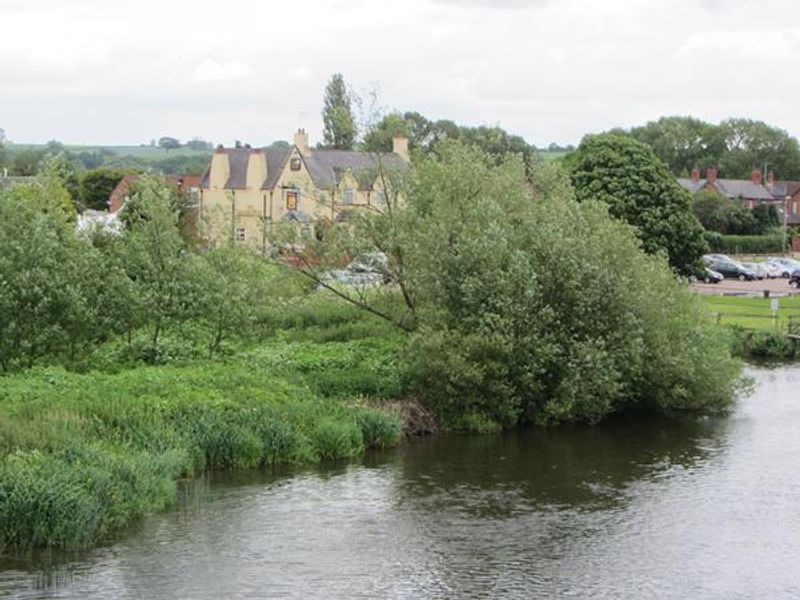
(745,244)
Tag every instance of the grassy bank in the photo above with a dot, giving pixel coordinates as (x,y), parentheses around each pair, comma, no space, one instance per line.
(82,456)
(754,313)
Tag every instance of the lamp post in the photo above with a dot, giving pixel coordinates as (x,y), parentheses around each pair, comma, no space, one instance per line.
(786,201)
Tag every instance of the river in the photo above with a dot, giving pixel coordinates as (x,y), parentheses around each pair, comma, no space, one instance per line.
(698,507)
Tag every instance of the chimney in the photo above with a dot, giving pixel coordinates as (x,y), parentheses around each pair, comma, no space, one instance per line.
(256,169)
(301,141)
(400,147)
(695,175)
(770,179)
(755,176)
(711,175)
(220,169)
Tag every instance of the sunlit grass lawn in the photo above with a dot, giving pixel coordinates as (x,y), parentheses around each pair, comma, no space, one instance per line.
(754,313)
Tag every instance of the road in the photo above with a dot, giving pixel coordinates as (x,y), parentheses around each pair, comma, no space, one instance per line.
(755,288)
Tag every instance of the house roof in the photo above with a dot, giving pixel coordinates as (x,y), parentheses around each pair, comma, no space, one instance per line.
(326,167)
(732,188)
(781,189)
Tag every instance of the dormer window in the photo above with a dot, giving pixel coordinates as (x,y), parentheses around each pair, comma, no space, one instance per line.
(294,164)
(349,196)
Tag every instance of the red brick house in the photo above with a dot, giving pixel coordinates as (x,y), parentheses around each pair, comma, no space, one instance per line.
(750,190)
(186,185)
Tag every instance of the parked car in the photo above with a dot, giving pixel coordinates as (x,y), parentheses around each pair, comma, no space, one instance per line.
(757,268)
(712,258)
(794,280)
(786,265)
(734,270)
(711,276)
(773,270)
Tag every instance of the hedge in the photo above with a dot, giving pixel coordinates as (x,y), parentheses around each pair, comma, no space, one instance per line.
(745,244)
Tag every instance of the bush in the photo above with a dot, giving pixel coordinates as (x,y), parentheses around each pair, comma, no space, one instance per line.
(745,244)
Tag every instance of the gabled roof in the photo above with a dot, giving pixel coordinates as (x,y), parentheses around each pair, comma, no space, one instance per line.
(732,188)
(781,189)
(326,167)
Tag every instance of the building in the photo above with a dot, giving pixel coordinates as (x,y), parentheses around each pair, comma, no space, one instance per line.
(787,194)
(256,188)
(185,185)
(750,190)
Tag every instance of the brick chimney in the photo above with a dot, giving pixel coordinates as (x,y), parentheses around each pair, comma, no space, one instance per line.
(755,176)
(695,175)
(711,175)
(301,141)
(400,147)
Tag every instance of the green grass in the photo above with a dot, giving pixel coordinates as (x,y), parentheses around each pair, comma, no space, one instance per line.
(754,313)
(83,456)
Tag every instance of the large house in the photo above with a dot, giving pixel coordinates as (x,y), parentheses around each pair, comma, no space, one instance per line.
(780,194)
(749,190)
(259,187)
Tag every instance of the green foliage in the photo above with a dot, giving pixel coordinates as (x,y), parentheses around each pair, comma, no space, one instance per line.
(723,215)
(154,255)
(337,115)
(56,295)
(83,456)
(736,146)
(26,162)
(96,187)
(540,310)
(764,345)
(424,135)
(745,244)
(638,188)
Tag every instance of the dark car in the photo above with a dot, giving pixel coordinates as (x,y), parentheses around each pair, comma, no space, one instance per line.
(733,270)
(794,280)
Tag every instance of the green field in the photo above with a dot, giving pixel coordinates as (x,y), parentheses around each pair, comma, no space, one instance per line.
(754,313)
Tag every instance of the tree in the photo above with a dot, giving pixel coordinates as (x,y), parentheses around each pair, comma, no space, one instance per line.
(234,292)
(96,187)
(27,162)
(530,309)
(199,144)
(723,215)
(753,144)
(62,168)
(168,143)
(682,143)
(638,188)
(379,137)
(337,115)
(154,256)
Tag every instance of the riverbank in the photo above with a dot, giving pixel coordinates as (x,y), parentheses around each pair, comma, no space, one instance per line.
(82,456)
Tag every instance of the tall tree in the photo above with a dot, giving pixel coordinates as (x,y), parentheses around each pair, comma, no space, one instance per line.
(683,143)
(337,115)
(639,189)
(97,185)
(752,144)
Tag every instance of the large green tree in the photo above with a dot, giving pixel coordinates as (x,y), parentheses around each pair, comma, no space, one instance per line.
(752,144)
(639,189)
(96,187)
(340,129)
(530,308)
(682,143)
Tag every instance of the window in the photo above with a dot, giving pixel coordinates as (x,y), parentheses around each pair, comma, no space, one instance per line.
(291,200)
(349,196)
(380,198)
(294,164)
(239,234)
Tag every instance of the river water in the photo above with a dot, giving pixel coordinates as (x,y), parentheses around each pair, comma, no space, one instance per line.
(633,508)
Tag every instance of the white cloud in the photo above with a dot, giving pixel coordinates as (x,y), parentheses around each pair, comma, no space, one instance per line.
(211,70)
(548,70)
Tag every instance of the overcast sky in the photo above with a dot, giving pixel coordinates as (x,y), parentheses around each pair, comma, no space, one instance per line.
(119,71)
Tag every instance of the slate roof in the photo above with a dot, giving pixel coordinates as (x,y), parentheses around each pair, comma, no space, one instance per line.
(326,167)
(732,188)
